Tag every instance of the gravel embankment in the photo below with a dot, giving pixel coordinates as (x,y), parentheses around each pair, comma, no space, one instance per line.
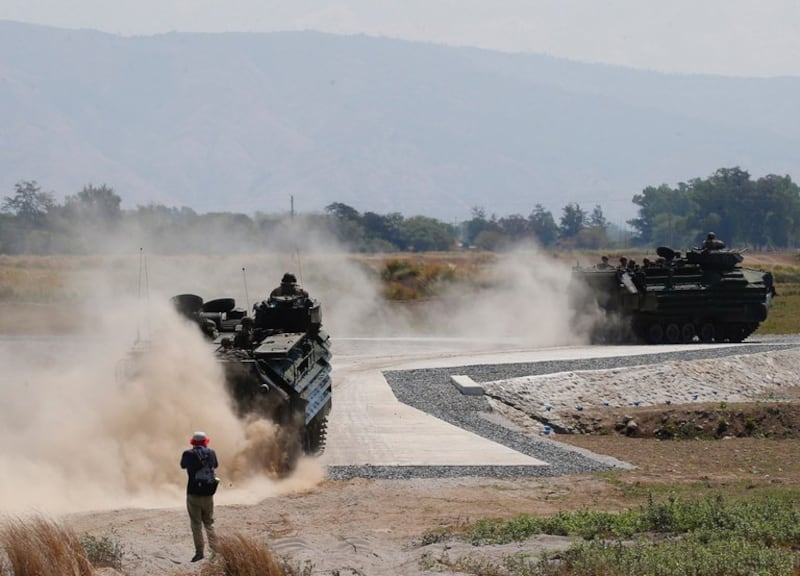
(431,390)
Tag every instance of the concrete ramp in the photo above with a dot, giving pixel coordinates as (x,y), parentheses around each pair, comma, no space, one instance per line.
(369,426)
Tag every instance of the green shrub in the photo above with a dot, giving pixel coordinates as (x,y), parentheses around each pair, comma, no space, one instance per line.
(709,536)
(688,555)
(769,519)
(105,551)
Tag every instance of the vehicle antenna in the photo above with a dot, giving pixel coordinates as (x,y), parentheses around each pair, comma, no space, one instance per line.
(246,296)
(147,297)
(299,265)
(139,291)
(139,287)
(296,249)
(143,276)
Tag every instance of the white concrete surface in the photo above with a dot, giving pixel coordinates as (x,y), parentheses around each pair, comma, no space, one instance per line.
(466,385)
(369,426)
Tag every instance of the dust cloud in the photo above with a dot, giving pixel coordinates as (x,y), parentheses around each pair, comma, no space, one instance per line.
(79,435)
(525,297)
(86,429)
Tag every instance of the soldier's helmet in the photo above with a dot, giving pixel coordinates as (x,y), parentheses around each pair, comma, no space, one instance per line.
(289,278)
(711,236)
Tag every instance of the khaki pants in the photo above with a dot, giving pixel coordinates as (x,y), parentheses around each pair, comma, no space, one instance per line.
(201,513)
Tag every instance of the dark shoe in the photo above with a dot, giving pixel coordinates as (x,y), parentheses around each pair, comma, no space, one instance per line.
(197,557)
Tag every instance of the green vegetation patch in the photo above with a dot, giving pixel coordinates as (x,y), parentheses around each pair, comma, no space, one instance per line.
(103,551)
(708,536)
(784,314)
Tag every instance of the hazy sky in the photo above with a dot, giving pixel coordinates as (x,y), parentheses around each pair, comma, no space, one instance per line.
(730,37)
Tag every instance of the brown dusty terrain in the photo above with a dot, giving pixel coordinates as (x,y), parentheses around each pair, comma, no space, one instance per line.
(378,526)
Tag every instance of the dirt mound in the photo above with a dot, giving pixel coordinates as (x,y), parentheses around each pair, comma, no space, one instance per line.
(694,421)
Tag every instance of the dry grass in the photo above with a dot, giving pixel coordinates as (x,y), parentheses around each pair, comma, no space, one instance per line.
(55,279)
(239,555)
(36,292)
(412,279)
(33,284)
(40,547)
(693,468)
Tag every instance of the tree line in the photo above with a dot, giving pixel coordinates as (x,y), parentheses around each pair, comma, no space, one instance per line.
(758,214)
(761,214)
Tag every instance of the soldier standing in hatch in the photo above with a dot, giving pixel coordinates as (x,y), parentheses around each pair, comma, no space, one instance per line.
(288,287)
(244,337)
(712,243)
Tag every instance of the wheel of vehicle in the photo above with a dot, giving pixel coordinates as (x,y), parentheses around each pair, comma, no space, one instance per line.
(673,333)
(313,436)
(707,332)
(655,334)
(737,332)
(687,332)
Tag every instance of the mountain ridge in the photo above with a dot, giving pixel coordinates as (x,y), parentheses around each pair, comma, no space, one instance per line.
(242,121)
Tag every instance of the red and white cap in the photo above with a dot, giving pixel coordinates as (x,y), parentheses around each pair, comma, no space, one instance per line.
(199,438)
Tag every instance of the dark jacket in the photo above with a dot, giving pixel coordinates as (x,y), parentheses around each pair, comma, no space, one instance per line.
(288,290)
(191,461)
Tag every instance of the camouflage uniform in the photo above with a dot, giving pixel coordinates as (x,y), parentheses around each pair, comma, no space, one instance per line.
(288,287)
(244,337)
(711,242)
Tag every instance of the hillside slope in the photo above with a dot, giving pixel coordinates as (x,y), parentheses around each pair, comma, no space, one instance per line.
(241,122)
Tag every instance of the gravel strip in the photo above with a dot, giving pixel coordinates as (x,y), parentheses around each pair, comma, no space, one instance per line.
(431,391)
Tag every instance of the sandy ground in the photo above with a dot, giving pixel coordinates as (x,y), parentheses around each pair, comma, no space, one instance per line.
(375,527)
(349,527)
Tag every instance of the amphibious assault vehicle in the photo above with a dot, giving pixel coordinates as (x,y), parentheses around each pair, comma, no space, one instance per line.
(702,295)
(277,362)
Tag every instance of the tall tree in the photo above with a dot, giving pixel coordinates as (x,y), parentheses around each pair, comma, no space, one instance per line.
(662,215)
(97,204)
(347,224)
(720,202)
(423,234)
(543,225)
(595,233)
(475,225)
(516,227)
(343,212)
(774,210)
(597,219)
(573,219)
(29,204)
(387,228)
